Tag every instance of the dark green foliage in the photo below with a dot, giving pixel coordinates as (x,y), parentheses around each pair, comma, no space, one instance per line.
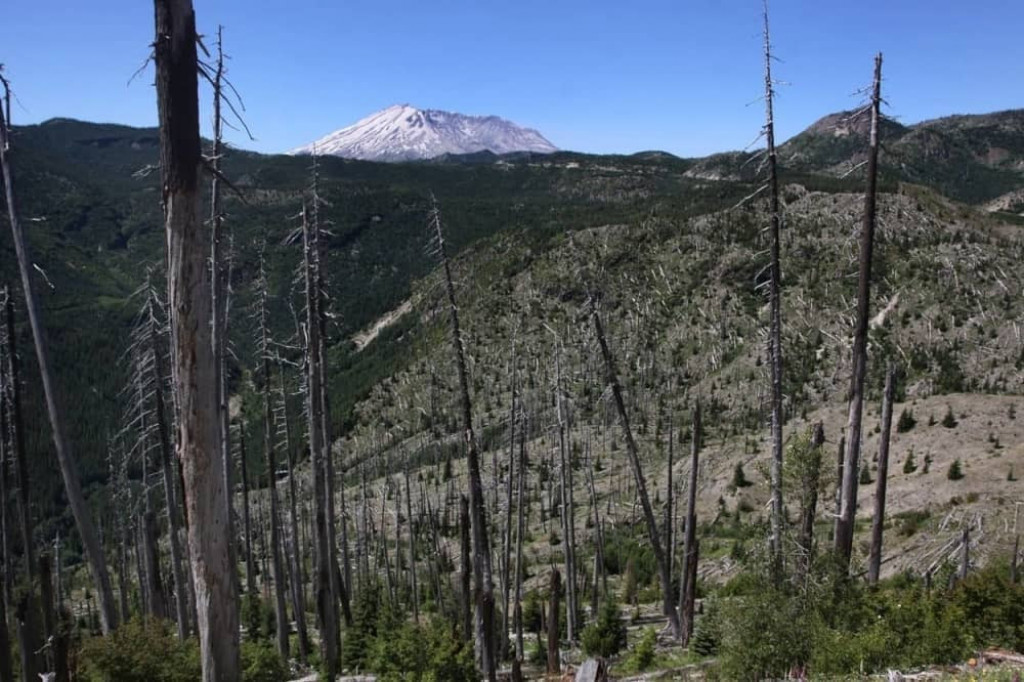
(955,472)
(909,464)
(422,653)
(739,477)
(606,636)
(141,650)
(641,657)
(837,627)
(949,421)
(262,663)
(906,421)
(865,475)
(707,632)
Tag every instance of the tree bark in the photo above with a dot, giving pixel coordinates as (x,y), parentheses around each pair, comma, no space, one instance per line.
(298,583)
(687,589)
(466,572)
(17,436)
(192,356)
(520,529)
(54,407)
(875,556)
(851,462)
(775,303)
(668,606)
(243,471)
(554,660)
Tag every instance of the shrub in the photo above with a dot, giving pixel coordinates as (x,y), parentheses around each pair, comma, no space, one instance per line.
(607,635)
(949,421)
(909,465)
(262,663)
(739,477)
(906,421)
(707,633)
(141,650)
(955,472)
(865,475)
(642,656)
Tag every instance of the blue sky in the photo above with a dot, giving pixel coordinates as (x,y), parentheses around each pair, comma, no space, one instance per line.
(597,76)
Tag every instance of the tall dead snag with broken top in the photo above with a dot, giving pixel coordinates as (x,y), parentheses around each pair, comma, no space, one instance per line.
(483,586)
(775,305)
(851,460)
(269,431)
(653,533)
(327,613)
(65,457)
(192,357)
(875,555)
(568,508)
(688,583)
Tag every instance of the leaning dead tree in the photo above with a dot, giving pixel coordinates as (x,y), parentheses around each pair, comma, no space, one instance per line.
(483,586)
(775,304)
(654,535)
(851,460)
(54,407)
(192,356)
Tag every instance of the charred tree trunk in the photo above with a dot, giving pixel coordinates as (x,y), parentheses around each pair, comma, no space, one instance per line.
(687,586)
(6,667)
(193,360)
(466,572)
(875,556)
(554,660)
(851,462)
(16,428)
(243,471)
(65,457)
(483,587)
(668,606)
(506,553)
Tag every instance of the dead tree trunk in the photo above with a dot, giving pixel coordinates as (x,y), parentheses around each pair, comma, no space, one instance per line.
(193,360)
(16,428)
(243,471)
(6,667)
(875,556)
(654,536)
(670,536)
(298,583)
(166,467)
(520,529)
(65,457)
(483,587)
(600,574)
(327,613)
(269,449)
(568,509)
(554,660)
(851,462)
(466,572)
(775,303)
(687,588)
(506,553)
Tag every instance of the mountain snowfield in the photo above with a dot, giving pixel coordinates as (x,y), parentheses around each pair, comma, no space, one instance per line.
(405,133)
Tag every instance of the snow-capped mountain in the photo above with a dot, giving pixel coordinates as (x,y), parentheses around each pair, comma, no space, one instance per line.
(405,133)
